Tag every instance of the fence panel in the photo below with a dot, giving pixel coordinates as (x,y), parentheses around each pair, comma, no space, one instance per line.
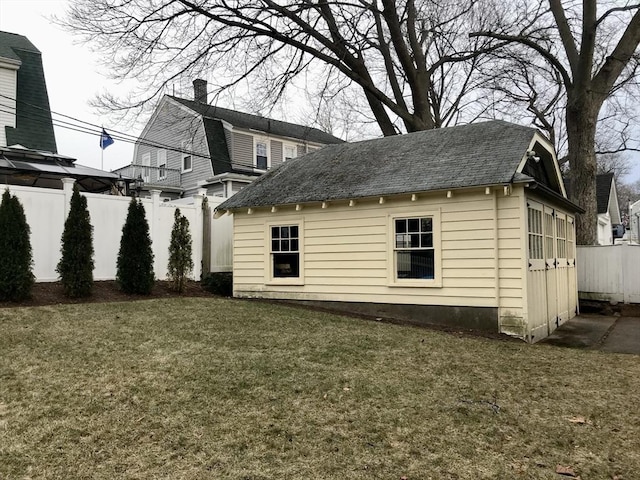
(47,209)
(609,272)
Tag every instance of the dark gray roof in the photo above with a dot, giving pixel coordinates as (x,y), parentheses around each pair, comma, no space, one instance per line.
(256,122)
(20,166)
(479,154)
(603,190)
(34,127)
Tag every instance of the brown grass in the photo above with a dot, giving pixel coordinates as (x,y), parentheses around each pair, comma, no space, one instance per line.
(193,388)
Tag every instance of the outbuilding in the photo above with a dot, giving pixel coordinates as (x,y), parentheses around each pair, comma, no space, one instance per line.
(467,226)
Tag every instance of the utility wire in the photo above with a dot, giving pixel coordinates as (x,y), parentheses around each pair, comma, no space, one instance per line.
(88,129)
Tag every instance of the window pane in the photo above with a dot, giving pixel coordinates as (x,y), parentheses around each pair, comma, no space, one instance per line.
(275,245)
(416,264)
(426,225)
(284,232)
(414,224)
(401,226)
(401,241)
(286,265)
(294,231)
(426,240)
(284,245)
(261,149)
(275,232)
(294,245)
(415,240)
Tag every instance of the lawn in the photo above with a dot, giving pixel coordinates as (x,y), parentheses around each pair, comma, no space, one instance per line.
(194,388)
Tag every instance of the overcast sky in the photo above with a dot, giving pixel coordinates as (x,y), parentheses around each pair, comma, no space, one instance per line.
(73,78)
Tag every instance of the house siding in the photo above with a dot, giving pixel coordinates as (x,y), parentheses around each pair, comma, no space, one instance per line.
(8,81)
(171,127)
(512,262)
(346,252)
(242,151)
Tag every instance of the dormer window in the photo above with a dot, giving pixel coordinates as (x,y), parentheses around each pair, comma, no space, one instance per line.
(261,155)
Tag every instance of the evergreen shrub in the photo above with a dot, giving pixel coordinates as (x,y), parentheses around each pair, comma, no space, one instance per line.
(76,265)
(180,261)
(135,258)
(16,276)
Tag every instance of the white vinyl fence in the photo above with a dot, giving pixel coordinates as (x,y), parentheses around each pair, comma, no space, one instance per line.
(47,209)
(609,272)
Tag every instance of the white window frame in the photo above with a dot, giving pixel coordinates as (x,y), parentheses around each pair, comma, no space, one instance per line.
(270,279)
(267,144)
(145,163)
(393,280)
(161,163)
(535,236)
(186,153)
(293,147)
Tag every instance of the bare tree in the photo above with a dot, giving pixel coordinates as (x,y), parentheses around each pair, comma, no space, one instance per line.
(411,60)
(595,56)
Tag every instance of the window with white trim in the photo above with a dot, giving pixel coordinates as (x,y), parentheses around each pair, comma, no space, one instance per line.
(414,250)
(285,251)
(262,159)
(187,158)
(561,235)
(146,163)
(571,239)
(162,164)
(289,152)
(535,233)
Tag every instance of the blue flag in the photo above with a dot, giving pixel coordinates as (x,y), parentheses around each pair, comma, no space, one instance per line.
(105,139)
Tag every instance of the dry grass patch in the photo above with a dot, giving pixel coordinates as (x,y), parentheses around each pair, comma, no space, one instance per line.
(213,388)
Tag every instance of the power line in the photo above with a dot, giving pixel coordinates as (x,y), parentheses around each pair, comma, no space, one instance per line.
(115,134)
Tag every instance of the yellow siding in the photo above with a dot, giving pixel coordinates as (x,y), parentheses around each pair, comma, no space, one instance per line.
(346,251)
(511,262)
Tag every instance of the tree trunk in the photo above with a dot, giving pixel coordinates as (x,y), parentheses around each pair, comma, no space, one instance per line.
(581,120)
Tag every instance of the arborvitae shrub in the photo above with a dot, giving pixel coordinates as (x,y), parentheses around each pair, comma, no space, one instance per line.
(16,277)
(180,261)
(135,258)
(220,283)
(76,265)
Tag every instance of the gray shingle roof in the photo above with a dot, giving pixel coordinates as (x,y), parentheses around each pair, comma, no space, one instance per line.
(34,127)
(603,190)
(470,155)
(255,122)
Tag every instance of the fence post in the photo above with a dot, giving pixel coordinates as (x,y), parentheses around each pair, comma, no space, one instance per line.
(67,187)
(206,237)
(197,233)
(154,226)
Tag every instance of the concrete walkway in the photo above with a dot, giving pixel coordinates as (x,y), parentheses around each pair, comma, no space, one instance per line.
(599,332)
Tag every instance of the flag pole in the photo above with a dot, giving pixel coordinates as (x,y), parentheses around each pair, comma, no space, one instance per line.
(101,150)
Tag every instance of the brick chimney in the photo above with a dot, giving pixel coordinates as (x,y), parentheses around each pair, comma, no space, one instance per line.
(200,90)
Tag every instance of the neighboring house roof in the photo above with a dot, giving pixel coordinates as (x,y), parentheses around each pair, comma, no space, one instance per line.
(217,143)
(34,126)
(256,122)
(480,154)
(603,190)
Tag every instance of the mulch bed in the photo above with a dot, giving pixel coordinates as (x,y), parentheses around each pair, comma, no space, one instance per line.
(51,293)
